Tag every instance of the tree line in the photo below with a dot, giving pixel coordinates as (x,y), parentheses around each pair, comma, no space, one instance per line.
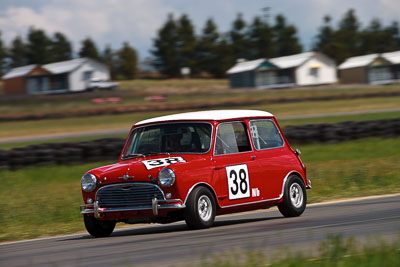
(178,46)
(211,52)
(39,48)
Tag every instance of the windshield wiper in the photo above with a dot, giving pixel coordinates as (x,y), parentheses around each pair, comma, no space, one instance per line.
(155,153)
(132,156)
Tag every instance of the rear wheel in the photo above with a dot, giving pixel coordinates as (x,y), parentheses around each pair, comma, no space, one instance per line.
(98,228)
(200,208)
(294,198)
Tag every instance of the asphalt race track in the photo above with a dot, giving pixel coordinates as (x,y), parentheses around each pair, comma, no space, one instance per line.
(367,220)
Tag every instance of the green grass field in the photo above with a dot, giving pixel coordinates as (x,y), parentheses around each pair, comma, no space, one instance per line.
(43,201)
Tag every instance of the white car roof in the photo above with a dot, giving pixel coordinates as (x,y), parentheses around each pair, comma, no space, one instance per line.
(210,115)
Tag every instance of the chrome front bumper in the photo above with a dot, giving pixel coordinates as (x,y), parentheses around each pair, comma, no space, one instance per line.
(155,206)
(308,184)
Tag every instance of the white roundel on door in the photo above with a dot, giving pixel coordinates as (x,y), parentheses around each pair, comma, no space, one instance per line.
(238,181)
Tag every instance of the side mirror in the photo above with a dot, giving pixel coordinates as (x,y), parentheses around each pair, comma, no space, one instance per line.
(297,152)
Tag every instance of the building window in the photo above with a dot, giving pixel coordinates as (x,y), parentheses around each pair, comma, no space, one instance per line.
(87,75)
(314,72)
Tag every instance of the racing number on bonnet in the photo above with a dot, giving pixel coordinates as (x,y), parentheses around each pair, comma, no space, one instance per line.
(238,181)
(154,163)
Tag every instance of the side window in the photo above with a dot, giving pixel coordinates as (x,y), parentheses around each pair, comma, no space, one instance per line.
(265,134)
(231,138)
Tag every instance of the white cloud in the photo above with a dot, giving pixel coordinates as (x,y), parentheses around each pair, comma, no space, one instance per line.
(107,22)
(137,21)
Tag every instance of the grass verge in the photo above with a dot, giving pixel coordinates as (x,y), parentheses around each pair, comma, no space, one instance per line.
(335,251)
(43,201)
(108,122)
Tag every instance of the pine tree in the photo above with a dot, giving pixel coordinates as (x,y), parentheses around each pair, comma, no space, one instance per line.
(89,49)
(325,42)
(166,53)
(261,40)
(127,62)
(393,33)
(3,54)
(286,39)
(186,43)
(238,38)
(347,37)
(17,53)
(60,48)
(225,58)
(38,47)
(108,58)
(207,53)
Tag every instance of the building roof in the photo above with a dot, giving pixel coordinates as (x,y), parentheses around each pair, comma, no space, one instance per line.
(19,71)
(285,62)
(292,61)
(210,115)
(65,66)
(362,61)
(393,57)
(54,68)
(246,66)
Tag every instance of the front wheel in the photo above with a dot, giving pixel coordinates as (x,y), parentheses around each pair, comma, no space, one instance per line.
(98,228)
(294,198)
(200,209)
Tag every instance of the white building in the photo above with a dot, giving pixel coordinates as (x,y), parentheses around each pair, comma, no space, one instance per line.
(310,68)
(67,76)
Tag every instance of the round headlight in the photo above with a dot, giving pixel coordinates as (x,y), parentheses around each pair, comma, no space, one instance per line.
(88,182)
(166,177)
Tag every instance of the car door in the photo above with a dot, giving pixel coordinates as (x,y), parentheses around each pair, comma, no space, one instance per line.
(271,156)
(234,165)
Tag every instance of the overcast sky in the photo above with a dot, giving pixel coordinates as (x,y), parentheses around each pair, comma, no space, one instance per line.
(137,21)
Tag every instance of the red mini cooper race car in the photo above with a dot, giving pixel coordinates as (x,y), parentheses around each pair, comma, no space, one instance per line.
(194,166)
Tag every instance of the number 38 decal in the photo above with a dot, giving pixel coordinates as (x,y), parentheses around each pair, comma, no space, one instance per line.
(238,181)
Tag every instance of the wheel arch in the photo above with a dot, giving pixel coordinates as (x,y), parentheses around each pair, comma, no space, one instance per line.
(285,180)
(206,185)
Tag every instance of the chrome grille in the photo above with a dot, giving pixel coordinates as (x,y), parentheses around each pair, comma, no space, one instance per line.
(130,194)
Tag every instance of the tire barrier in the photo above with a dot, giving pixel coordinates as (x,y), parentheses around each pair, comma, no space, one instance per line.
(61,153)
(343,131)
(110,148)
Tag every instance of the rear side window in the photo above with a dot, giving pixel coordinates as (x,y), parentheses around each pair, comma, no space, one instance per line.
(231,138)
(265,134)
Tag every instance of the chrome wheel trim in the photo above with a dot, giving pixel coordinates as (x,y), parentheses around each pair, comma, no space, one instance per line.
(296,195)
(204,208)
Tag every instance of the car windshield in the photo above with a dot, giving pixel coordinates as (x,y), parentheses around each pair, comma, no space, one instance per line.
(169,139)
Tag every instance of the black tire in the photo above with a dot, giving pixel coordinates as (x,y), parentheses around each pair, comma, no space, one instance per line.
(295,204)
(98,228)
(200,209)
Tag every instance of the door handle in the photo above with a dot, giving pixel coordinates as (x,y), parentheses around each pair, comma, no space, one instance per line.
(218,168)
(253,157)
